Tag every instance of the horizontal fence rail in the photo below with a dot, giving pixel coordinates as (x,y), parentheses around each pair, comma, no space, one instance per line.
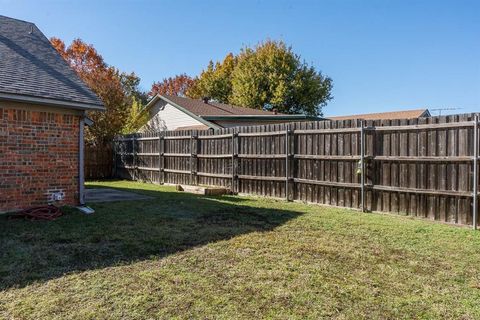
(423,167)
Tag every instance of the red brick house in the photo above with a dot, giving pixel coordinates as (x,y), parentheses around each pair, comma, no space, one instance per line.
(42,117)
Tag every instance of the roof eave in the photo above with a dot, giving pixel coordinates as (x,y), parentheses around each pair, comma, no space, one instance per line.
(426,114)
(50,102)
(261,117)
(152,102)
(206,120)
(196,117)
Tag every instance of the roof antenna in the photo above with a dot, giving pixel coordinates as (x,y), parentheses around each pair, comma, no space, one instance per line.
(439,110)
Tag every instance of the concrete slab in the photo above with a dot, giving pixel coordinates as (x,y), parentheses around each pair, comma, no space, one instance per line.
(110,195)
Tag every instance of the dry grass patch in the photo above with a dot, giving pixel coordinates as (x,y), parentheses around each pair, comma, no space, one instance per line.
(186,256)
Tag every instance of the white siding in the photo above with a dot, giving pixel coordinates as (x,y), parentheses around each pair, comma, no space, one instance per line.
(164,116)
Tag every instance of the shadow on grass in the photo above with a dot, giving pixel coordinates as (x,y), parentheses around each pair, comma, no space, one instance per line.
(155,193)
(124,232)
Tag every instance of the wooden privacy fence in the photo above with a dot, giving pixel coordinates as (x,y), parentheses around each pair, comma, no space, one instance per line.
(425,167)
(98,162)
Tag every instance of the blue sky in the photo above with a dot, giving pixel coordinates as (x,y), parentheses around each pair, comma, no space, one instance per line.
(382,55)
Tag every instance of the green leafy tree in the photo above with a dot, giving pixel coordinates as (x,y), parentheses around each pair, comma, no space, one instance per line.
(131,86)
(267,76)
(136,118)
(272,76)
(216,81)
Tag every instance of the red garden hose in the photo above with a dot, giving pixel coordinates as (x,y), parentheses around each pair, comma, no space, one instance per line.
(48,213)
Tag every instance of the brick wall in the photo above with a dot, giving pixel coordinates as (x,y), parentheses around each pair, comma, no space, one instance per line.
(38,156)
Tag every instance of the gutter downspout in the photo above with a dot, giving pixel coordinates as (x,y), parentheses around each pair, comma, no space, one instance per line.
(81,161)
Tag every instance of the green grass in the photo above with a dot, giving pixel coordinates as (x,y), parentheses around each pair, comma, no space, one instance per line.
(185,256)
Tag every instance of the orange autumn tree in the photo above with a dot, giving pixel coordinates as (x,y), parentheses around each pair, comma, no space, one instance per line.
(174,86)
(118,91)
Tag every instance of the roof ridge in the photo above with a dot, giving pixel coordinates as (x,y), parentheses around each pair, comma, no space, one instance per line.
(219,107)
(241,107)
(214,108)
(398,114)
(20,20)
(26,50)
(383,112)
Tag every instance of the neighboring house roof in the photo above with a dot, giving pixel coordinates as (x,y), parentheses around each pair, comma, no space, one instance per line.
(405,114)
(32,71)
(205,112)
(197,127)
(200,108)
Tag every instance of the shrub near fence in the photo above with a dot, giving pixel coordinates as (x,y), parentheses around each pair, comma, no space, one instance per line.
(420,167)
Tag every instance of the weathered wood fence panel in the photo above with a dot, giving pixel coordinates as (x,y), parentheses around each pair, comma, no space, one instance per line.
(98,162)
(420,167)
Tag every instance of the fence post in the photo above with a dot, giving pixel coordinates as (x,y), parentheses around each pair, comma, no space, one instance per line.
(293,163)
(475,173)
(160,156)
(234,156)
(134,157)
(162,168)
(362,165)
(287,160)
(197,160)
(114,156)
(193,138)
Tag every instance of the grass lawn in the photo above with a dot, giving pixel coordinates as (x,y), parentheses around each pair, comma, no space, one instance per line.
(186,256)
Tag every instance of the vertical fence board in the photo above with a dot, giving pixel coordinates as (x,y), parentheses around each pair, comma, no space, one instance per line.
(319,169)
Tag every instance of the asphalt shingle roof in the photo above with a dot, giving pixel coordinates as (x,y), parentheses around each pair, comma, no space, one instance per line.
(30,66)
(405,114)
(200,108)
